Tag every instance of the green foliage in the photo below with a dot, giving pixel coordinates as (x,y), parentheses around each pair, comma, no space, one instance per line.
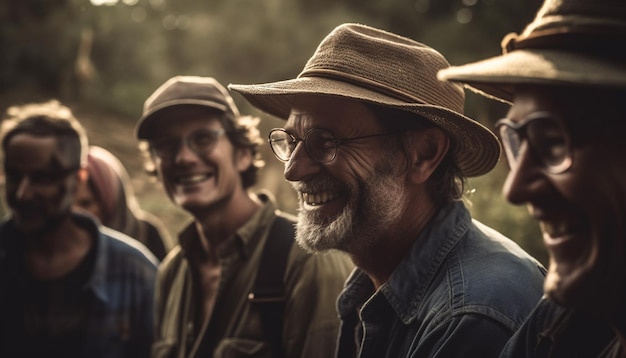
(487,204)
(110,58)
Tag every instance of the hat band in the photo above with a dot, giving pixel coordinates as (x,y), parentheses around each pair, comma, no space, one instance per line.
(362,82)
(589,39)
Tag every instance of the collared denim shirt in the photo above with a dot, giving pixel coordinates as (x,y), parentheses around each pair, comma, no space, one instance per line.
(121,293)
(461,291)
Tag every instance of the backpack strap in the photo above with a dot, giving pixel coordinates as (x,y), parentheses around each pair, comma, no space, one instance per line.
(269,293)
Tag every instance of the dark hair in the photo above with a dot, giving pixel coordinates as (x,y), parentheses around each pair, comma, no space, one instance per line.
(447,182)
(243,133)
(48,119)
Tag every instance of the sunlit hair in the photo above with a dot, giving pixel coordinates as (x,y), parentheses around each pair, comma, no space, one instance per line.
(242,132)
(48,119)
(447,182)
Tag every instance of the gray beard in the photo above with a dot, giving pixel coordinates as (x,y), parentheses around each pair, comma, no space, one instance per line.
(375,206)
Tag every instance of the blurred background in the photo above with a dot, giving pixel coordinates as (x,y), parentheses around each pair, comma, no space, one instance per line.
(103,58)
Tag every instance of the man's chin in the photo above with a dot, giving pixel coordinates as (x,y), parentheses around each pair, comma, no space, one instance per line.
(582,290)
(29,229)
(315,234)
(313,241)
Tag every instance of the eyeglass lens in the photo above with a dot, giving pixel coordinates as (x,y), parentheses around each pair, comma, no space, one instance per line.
(546,137)
(320,144)
(200,141)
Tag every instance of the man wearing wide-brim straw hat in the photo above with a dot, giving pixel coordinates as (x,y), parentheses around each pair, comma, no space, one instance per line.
(565,76)
(378,150)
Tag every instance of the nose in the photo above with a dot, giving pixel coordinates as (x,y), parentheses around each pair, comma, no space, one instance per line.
(300,165)
(524,178)
(184,153)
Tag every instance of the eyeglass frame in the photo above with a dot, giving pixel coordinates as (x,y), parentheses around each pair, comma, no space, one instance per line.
(42,177)
(520,129)
(296,140)
(215,134)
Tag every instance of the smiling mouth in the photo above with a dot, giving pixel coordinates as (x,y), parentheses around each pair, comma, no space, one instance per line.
(193,179)
(555,229)
(559,232)
(314,199)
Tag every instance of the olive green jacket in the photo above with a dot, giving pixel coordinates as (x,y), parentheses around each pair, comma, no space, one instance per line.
(312,284)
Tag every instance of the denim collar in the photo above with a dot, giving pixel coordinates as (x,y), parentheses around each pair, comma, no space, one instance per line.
(97,282)
(409,282)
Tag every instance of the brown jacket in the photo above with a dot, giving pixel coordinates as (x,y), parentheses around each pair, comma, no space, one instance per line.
(312,284)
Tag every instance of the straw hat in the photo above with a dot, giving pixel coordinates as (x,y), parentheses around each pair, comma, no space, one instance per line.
(570,42)
(184,90)
(364,63)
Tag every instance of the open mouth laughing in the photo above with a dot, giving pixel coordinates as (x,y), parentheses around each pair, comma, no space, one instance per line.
(318,198)
(192,179)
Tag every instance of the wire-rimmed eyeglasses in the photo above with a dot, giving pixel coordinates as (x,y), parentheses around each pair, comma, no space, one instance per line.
(320,144)
(201,141)
(547,138)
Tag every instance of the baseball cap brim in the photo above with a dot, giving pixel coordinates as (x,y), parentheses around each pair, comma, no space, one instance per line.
(146,123)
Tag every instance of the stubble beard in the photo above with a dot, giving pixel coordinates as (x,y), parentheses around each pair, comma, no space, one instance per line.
(375,206)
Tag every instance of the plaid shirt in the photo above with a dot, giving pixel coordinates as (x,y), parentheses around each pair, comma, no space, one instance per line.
(118,297)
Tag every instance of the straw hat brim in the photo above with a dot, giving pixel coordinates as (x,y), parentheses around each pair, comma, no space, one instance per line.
(496,77)
(476,148)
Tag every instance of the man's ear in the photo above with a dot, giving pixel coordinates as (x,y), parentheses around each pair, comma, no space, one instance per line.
(427,149)
(243,159)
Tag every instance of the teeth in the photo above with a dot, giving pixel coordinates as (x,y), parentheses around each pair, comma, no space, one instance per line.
(318,198)
(554,229)
(192,179)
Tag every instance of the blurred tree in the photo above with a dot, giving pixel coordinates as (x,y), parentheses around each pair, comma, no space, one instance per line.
(38,42)
(112,56)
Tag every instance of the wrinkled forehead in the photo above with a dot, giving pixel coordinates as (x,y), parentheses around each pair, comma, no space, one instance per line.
(329,112)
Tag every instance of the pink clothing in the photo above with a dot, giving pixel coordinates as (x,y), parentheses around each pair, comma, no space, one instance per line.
(110,183)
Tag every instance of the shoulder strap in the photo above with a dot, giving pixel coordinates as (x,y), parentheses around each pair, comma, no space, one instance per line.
(269,293)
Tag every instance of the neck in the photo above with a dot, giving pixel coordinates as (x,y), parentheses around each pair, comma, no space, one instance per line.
(55,239)
(380,260)
(218,224)
(56,253)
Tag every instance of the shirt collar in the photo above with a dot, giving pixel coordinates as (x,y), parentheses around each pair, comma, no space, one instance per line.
(97,280)
(407,285)
(244,240)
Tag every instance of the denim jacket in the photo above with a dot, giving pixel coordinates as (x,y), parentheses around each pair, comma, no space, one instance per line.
(461,291)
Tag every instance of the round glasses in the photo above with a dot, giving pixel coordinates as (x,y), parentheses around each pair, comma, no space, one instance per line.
(320,144)
(547,140)
(201,142)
